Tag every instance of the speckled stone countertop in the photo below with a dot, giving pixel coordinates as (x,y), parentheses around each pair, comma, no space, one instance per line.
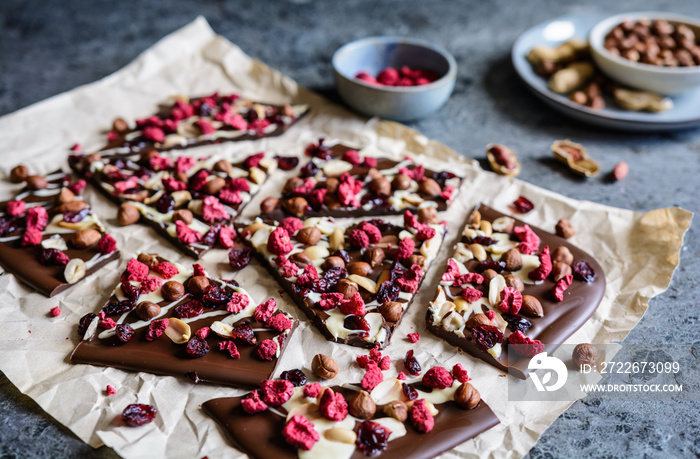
(51,46)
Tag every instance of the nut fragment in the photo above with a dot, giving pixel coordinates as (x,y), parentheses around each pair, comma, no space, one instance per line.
(564,229)
(474,220)
(316,252)
(127,214)
(120,125)
(309,236)
(467,397)
(324,367)
(359,267)
(362,405)
(364,282)
(585,354)
(478,251)
(560,270)
(74,270)
(178,331)
(147,310)
(85,238)
(37,182)
(416,259)
(336,240)
(19,174)
(347,287)
(341,435)
(257,175)
(503,160)
(396,409)
(148,260)
(172,290)
(391,311)
(620,171)
(196,284)
(513,260)
(503,224)
(531,306)
(374,256)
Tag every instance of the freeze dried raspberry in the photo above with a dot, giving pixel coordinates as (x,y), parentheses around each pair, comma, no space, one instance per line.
(31,237)
(410,280)
(385,363)
(333,406)
(375,355)
(106,244)
(203,333)
(359,238)
(77,186)
(421,418)
(305,188)
(405,248)
(172,184)
(511,300)
(355,305)
(153,133)
(198,270)
(545,267)
(123,185)
(280,322)
(184,163)
(263,312)
(524,345)
(253,404)
(366,77)
(213,210)
(561,286)
(55,312)
(205,126)
(530,241)
(300,433)
(291,225)
(363,361)
(460,373)
(138,414)
(369,162)
(401,376)
(135,271)
(230,347)
(416,173)
(110,390)
(469,278)
(197,181)
(276,392)
(159,163)
(372,378)
(156,328)
(151,284)
(165,269)
(352,156)
(471,294)
(312,390)
(230,196)
(347,193)
(425,232)
(16,208)
(279,243)
(447,193)
(238,184)
(37,218)
(267,350)
(226,236)
(437,378)
(187,234)
(413,337)
(107,324)
(238,122)
(374,234)
(287,269)
(490,314)
(316,198)
(388,76)
(451,272)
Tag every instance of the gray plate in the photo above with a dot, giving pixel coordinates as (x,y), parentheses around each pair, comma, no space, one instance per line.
(686,107)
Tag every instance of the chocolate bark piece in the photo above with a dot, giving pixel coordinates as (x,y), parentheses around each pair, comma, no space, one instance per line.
(339,180)
(260,434)
(560,319)
(163,355)
(162,186)
(185,123)
(29,262)
(321,288)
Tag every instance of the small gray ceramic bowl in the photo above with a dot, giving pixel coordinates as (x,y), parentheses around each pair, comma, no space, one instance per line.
(397,103)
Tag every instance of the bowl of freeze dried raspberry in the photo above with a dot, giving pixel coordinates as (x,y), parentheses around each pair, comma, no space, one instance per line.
(397,78)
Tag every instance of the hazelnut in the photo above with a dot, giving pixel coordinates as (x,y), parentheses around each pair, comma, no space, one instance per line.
(559,270)
(183,215)
(374,173)
(148,155)
(562,254)
(65,196)
(531,306)
(380,185)
(147,310)
(467,397)
(324,367)
(120,125)
(488,275)
(269,204)
(172,290)
(148,260)
(374,256)
(391,311)
(401,182)
(515,282)
(333,262)
(73,206)
(127,214)
(91,158)
(513,260)
(292,184)
(301,259)
(332,185)
(430,187)
(474,220)
(359,267)
(223,165)
(85,238)
(347,287)
(309,236)
(396,409)
(585,354)
(182,177)
(296,206)
(362,405)
(478,319)
(564,228)
(196,284)
(214,185)
(417,260)
(37,182)
(19,174)
(428,215)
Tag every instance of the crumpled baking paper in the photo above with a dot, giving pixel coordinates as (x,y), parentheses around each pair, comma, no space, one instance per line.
(638,252)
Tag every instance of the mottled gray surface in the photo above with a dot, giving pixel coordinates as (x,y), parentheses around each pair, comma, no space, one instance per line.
(47,47)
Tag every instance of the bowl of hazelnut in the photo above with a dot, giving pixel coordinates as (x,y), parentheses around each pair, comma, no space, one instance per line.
(398,78)
(652,51)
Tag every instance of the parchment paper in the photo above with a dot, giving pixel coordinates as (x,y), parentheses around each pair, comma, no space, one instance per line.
(638,252)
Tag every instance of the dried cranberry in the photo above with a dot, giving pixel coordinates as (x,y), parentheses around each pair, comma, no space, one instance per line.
(119,163)
(411,363)
(194,377)
(523,205)
(583,271)
(239,258)
(383,225)
(497,266)
(118,307)
(342,254)
(214,295)
(442,177)
(84,323)
(205,110)
(138,414)
(244,332)
(321,286)
(397,271)
(299,290)
(487,336)
(353,322)
(335,274)
(287,163)
(197,347)
(165,204)
(212,235)
(388,291)
(230,282)
(483,240)
(131,291)
(409,391)
(53,257)
(9,226)
(75,217)
(372,437)
(124,332)
(309,170)
(296,377)
(376,200)
(188,310)
(516,322)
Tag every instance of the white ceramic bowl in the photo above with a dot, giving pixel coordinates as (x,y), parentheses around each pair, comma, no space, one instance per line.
(396,103)
(662,80)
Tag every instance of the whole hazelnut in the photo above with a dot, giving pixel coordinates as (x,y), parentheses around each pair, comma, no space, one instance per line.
(85,238)
(127,214)
(65,196)
(148,155)
(380,185)
(585,354)
(562,254)
(488,275)
(401,182)
(182,177)
(374,173)
(564,228)
(148,260)
(515,282)
(19,174)
(333,262)
(324,367)
(196,284)
(223,165)
(417,260)
(430,187)
(300,259)
(37,182)
(309,236)
(269,204)
(374,256)
(214,185)
(466,397)
(183,215)
(296,206)
(559,270)
(396,409)
(531,306)
(428,215)
(359,267)
(120,125)
(332,184)
(172,290)
(292,184)
(513,260)
(362,405)
(391,311)
(347,287)
(147,310)
(73,206)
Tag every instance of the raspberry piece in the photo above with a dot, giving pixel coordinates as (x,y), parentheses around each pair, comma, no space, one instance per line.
(524,345)
(37,218)
(372,378)
(252,403)
(198,270)
(413,337)
(374,234)
(347,194)
(77,186)
(388,76)
(107,324)
(237,122)
(460,373)
(135,271)
(156,328)
(366,77)
(421,418)
(280,322)
(230,196)
(165,269)
(53,257)
(352,156)
(355,305)
(375,355)
(138,414)
(110,390)
(279,243)
(312,390)
(359,238)
(545,267)
(226,236)
(425,232)
(469,278)
(205,126)
(198,180)
(308,185)
(451,272)
(385,363)
(300,433)
(203,333)
(184,163)
(405,249)
(370,162)
(363,361)
(561,286)
(121,186)
(150,284)
(411,363)
(263,312)
(511,300)
(333,406)
(316,197)
(437,378)
(291,225)
(410,220)
(276,392)
(55,312)
(447,193)
(490,314)
(106,244)
(213,210)
(31,237)
(530,241)
(253,160)
(159,163)
(153,133)
(410,280)
(287,269)
(267,350)
(472,294)
(16,208)
(401,376)
(230,347)
(187,234)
